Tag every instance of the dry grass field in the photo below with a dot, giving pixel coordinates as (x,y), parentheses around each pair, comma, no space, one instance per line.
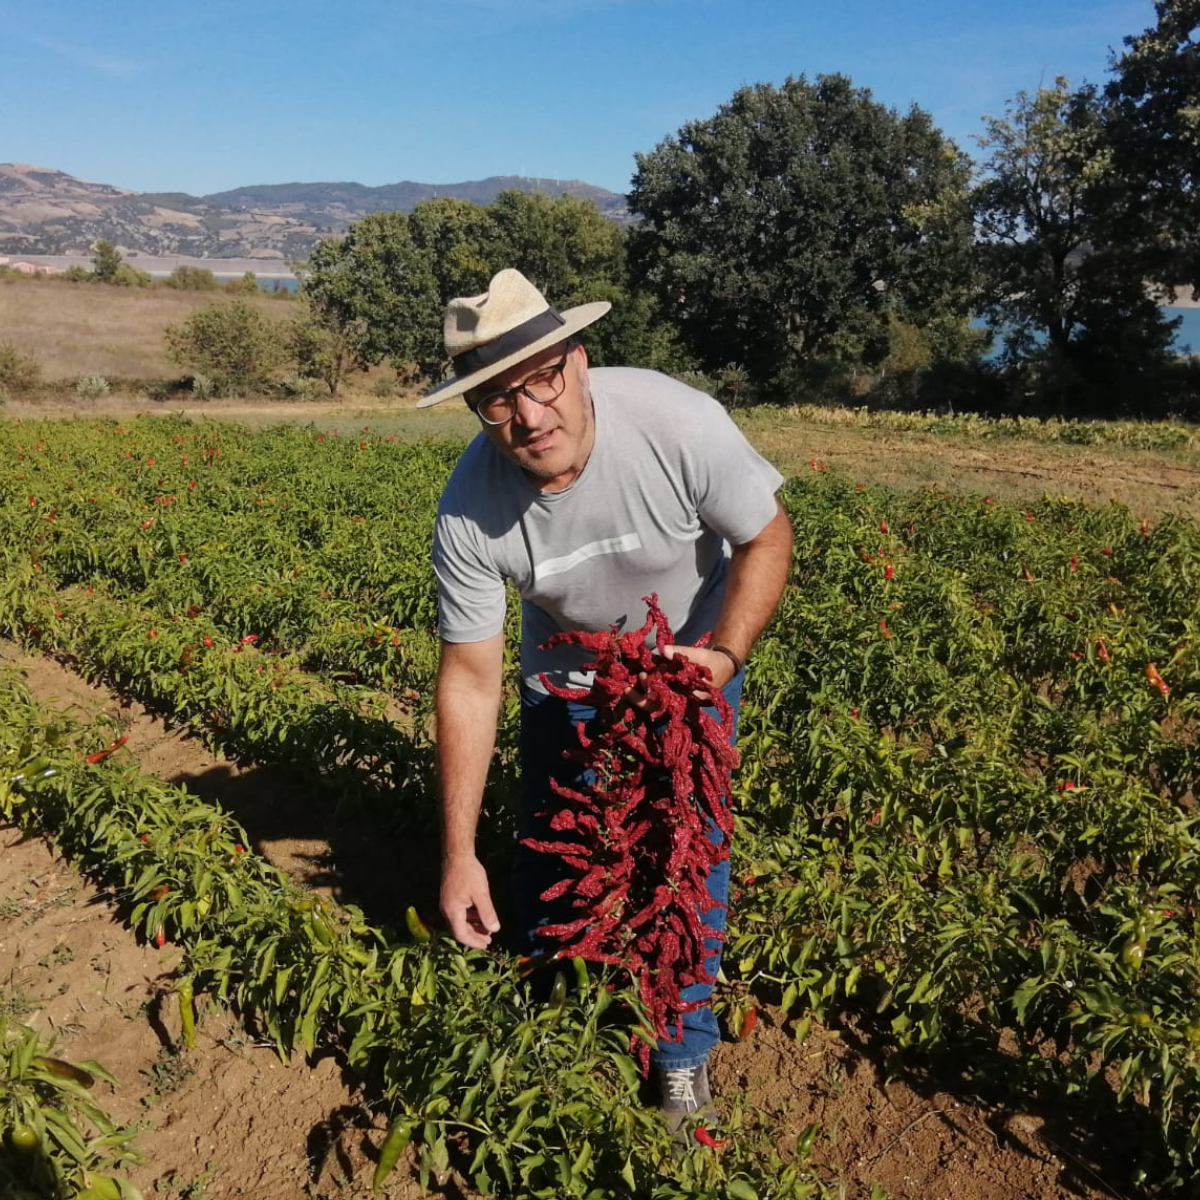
(78,329)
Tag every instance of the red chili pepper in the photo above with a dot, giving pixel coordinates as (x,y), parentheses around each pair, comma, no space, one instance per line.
(1102,652)
(888,572)
(1156,679)
(1107,550)
(883,527)
(1074,561)
(152,634)
(250,637)
(208,641)
(749,1020)
(160,938)
(102,754)
(706,1139)
(887,633)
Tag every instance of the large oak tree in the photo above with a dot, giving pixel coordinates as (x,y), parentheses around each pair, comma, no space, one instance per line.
(790,231)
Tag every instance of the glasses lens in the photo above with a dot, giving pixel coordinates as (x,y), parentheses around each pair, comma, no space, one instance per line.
(546,384)
(542,387)
(497,408)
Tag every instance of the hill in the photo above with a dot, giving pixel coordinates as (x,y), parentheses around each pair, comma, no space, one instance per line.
(44,211)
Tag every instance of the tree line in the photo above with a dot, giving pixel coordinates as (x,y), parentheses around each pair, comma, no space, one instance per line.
(806,242)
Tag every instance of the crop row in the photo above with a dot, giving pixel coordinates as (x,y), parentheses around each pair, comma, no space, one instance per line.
(514,1093)
(967,798)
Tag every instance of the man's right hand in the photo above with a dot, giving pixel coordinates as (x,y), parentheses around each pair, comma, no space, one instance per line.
(466,903)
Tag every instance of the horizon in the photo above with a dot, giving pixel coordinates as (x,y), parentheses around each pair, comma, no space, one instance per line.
(214,98)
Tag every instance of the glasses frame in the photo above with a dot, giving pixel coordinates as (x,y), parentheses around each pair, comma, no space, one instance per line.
(514,393)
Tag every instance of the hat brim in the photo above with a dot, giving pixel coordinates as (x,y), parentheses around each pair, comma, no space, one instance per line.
(574,319)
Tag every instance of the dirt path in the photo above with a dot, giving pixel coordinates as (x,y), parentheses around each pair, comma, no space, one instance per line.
(229,1120)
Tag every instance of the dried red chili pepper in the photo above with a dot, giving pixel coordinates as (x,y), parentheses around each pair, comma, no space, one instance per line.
(635,874)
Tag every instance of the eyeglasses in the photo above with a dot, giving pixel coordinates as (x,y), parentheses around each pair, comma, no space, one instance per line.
(544,386)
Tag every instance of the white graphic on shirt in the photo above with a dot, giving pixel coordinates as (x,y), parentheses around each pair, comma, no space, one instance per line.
(568,562)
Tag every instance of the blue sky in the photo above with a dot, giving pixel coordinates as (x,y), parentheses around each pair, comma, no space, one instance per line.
(204,95)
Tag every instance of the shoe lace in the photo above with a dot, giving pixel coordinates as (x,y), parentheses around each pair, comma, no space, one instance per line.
(679,1087)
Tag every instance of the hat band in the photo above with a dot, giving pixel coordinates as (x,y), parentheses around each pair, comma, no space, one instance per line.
(515,340)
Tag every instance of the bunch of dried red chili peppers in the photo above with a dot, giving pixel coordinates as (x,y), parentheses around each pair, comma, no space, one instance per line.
(639,849)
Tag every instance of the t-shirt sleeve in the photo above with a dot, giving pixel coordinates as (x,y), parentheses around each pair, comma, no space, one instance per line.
(471,600)
(734,485)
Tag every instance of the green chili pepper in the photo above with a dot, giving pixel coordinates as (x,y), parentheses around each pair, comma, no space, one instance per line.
(24,1138)
(581,974)
(416,926)
(399,1133)
(187,1014)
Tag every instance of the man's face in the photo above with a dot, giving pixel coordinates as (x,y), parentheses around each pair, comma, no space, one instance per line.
(549,442)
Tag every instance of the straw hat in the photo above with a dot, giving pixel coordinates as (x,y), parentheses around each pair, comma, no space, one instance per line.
(510,322)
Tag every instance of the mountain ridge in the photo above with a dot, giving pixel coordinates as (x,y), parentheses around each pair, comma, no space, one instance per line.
(49,212)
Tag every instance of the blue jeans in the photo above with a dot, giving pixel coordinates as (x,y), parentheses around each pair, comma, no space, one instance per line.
(548,727)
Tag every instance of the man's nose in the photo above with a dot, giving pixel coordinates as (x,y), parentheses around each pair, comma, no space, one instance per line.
(529,413)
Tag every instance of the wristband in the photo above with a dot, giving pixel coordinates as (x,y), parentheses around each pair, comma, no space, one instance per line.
(729,654)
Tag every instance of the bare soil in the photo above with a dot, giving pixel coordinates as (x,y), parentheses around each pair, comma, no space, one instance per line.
(230,1120)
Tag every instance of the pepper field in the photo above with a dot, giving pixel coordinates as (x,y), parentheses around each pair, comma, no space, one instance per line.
(966,807)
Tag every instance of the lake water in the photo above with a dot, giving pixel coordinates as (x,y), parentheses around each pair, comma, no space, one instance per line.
(1187,336)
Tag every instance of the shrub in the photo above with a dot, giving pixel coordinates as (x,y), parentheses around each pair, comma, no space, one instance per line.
(192,279)
(127,276)
(91,386)
(232,342)
(18,372)
(247,284)
(204,387)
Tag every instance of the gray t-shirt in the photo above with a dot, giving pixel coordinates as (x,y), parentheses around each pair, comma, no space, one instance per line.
(670,484)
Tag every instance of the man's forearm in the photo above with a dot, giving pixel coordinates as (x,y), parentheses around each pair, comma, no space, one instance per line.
(466,736)
(758,572)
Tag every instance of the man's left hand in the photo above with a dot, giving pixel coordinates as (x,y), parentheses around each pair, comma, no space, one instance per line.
(717,663)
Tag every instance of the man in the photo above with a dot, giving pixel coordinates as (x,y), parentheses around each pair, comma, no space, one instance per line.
(587,490)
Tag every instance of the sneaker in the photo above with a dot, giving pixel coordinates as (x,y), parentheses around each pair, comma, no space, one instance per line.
(683,1090)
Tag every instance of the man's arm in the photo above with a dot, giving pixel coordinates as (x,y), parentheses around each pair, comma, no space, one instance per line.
(469,682)
(758,571)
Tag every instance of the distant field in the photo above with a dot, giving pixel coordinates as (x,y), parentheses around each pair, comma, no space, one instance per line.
(77,329)
(86,329)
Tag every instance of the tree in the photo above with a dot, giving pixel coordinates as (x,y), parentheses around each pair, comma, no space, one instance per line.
(106,260)
(1068,301)
(785,232)
(458,239)
(1154,131)
(232,342)
(375,289)
(319,350)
